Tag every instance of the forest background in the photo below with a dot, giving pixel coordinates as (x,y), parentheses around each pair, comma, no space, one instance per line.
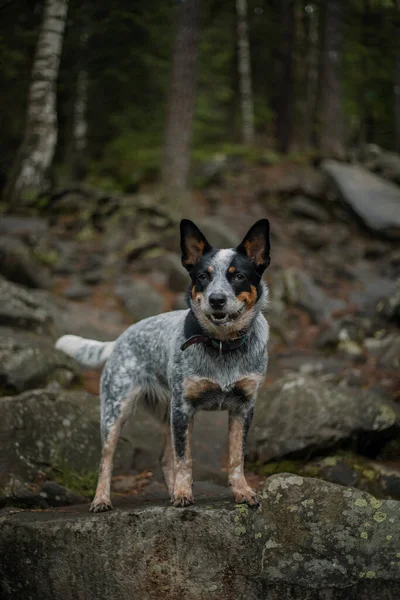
(272,78)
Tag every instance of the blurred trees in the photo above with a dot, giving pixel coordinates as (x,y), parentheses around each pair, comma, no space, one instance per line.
(244,73)
(318,76)
(35,154)
(181,100)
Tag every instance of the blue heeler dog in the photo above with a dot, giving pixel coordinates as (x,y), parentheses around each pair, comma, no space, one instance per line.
(211,356)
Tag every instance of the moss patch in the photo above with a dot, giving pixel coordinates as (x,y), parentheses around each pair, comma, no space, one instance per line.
(81,482)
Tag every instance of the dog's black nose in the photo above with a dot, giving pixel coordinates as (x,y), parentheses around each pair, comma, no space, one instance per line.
(217,301)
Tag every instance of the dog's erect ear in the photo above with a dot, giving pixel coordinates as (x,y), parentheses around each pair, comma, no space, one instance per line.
(193,244)
(255,245)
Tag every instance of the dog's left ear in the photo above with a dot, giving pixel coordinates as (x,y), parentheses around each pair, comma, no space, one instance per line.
(193,244)
(255,245)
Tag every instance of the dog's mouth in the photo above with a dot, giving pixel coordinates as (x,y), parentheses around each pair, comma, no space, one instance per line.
(220,318)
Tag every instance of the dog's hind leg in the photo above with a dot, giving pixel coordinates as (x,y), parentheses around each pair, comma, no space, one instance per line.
(118,394)
(167,460)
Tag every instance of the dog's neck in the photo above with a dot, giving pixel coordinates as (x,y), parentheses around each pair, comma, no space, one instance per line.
(195,334)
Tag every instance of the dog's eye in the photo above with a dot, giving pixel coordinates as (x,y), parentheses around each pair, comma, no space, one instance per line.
(239,277)
(203,277)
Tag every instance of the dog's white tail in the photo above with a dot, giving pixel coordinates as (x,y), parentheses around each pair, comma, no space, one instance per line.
(88,353)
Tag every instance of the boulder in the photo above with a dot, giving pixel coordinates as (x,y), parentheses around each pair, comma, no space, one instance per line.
(299,289)
(23,309)
(301,206)
(311,540)
(217,233)
(139,297)
(19,265)
(299,414)
(385,350)
(29,229)
(28,361)
(16,492)
(374,201)
(40,428)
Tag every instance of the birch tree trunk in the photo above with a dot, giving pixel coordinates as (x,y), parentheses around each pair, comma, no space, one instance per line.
(181,100)
(331,125)
(36,152)
(244,67)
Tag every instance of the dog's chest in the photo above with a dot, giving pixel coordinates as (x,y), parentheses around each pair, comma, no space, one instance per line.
(207,394)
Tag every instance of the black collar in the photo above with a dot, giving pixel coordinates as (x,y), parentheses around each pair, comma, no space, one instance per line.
(194,334)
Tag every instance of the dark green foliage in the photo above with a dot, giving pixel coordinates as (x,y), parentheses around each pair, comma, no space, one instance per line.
(128,60)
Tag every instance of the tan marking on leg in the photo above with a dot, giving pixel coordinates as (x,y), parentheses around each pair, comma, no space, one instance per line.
(249,385)
(102,501)
(242,492)
(183,495)
(167,460)
(249,298)
(195,386)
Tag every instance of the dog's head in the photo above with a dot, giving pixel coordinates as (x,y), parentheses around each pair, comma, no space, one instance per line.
(226,290)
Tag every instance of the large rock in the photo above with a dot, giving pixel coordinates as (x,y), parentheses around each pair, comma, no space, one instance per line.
(299,414)
(311,540)
(28,361)
(24,309)
(40,428)
(19,265)
(298,288)
(139,297)
(29,229)
(376,202)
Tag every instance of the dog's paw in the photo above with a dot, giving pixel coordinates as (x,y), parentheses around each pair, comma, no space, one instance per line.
(246,496)
(97,507)
(184,498)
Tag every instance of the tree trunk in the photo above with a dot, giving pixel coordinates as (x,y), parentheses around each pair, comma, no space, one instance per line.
(36,152)
(79,122)
(244,67)
(182,95)
(396,87)
(331,126)
(311,35)
(284,123)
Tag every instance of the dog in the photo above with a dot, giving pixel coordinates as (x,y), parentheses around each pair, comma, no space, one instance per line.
(212,356)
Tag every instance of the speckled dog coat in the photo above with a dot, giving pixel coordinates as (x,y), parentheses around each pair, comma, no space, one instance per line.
(212,356)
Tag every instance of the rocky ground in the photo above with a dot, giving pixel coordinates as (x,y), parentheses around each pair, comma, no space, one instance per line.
(90,263)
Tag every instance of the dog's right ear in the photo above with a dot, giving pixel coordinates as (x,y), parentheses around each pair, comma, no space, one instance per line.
(193,244)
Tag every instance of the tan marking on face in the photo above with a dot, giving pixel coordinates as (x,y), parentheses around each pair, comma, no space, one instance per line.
(249,298)
(231,270)
(197,296)
(255,249)
(210,269)
(194,249)
(249,385)
(195,386)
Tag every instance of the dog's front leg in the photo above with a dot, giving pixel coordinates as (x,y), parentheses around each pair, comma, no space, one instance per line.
(181,428)
(239,425)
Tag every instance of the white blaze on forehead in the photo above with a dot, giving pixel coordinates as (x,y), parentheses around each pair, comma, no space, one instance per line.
(221,261)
